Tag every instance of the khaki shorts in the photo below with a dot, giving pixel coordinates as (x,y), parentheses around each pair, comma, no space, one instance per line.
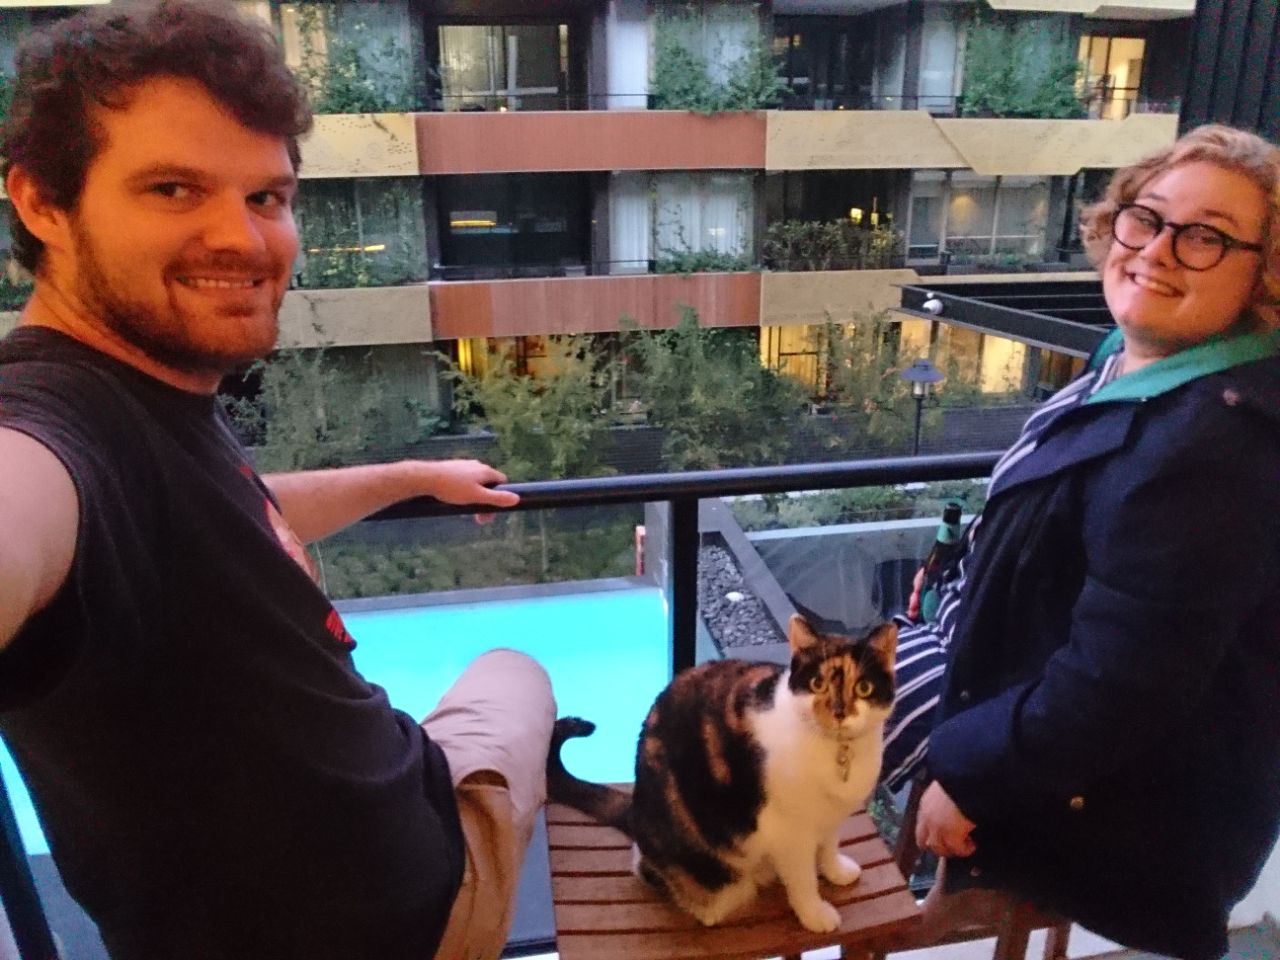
(494,725)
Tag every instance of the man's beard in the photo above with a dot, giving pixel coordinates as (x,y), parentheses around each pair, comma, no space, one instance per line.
(163,337)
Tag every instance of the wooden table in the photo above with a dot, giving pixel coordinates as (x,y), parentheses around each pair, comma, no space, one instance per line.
(603,912)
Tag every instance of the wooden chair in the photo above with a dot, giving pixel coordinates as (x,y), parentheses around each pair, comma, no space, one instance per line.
(1017,919)
(603,912)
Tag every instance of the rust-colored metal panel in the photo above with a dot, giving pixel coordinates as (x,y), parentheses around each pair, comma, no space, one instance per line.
(511,308)
(517,142)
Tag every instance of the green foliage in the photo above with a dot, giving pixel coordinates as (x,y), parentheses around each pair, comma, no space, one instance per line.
(857,505)
(707,389)
(544,428)
(831,245)
(6,95)
(961,388)
(312,412)
(702,261)
(682,76)
(996,262)
(505,552)
(13,293)
(859,368)
(336,251)
(346,73)
(1013,70)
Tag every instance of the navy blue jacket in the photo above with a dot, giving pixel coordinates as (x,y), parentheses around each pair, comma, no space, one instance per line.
(1111,714)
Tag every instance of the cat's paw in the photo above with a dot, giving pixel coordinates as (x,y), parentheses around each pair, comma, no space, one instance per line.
(818,916)
(841,870)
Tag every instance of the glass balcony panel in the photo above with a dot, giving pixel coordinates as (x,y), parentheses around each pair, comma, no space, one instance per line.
(846,556)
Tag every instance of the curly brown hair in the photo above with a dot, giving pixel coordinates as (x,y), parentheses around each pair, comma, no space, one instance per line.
(1237,150)
(94,58)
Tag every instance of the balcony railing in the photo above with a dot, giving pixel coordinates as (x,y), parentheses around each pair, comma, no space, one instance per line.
(1112,107)
(680,491)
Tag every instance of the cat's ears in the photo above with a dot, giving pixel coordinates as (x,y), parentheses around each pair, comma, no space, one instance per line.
(800,635)
(884,641)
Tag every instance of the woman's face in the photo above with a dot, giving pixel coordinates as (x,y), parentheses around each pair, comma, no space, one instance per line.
(1162,306)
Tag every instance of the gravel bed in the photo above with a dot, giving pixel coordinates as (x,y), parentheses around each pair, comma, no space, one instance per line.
(733,614)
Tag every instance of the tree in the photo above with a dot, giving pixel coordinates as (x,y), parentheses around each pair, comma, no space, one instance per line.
(860,366)
(708,391)
(311,411)
(544,429)
(1015,68)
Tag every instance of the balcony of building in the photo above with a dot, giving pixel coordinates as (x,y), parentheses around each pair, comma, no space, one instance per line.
(630,577)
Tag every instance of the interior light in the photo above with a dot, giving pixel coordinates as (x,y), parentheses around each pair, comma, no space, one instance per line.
(855,214)
(473,223)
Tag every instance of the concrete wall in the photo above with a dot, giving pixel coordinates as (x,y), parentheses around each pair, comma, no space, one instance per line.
(356,317)
(1057,147)
(573,140)
(806,298)
(507,308)
(888,139)
(361,145)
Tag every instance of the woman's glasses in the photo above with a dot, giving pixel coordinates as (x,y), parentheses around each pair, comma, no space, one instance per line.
(1197,246)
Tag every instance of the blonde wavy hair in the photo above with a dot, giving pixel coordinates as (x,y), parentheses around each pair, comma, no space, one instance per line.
(1237,150)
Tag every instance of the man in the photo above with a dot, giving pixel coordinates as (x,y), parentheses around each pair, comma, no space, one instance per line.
(214,777)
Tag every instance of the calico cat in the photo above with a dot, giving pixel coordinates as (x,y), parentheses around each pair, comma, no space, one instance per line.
(745,771)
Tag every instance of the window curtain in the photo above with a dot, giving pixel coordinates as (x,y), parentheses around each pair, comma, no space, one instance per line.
(630,223)
(703,212)
(726,33)
(938,59)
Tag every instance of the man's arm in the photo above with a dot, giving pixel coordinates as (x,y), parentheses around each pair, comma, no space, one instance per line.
(317,503)
(39,517)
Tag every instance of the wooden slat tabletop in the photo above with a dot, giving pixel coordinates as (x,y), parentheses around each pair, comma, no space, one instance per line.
(603,912)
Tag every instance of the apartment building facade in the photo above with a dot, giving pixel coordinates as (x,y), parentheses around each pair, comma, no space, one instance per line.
(485,175)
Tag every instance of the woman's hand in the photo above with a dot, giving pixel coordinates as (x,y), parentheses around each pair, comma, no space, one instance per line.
(941,827)
(917,588)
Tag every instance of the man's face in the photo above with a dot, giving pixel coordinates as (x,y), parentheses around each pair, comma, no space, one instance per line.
(183,240)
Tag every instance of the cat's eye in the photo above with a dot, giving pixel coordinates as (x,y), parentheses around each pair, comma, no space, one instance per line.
(818,685)
(864,688)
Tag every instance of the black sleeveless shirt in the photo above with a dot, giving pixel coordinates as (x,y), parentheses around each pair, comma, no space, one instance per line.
(214,777)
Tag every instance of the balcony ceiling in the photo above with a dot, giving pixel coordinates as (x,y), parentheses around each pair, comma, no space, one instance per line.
(1067,316)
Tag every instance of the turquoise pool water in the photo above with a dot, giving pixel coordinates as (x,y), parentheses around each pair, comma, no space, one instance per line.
(607,652)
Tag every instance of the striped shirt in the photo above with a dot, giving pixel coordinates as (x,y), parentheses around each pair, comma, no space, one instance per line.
(922,648)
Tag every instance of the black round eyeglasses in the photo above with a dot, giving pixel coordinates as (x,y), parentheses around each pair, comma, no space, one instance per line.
(1197,246)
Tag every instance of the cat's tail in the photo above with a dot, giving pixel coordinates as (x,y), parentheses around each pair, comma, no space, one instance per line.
(606,804)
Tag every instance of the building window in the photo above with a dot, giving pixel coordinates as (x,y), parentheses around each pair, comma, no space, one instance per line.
(968,215)
(504,67)
(361,232)
(794,352)
(695,212)
(514,225)
(941,47)
(664,215)
(354,57)
(1111,69)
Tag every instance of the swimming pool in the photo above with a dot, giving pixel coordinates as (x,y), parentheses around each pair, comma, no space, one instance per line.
(607,652)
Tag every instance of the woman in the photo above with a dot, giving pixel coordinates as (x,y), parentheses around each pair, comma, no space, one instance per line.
(1106,739)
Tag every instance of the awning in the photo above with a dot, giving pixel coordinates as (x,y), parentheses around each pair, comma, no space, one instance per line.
(1067,316)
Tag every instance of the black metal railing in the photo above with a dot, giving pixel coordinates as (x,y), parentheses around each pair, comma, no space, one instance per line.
(681,491)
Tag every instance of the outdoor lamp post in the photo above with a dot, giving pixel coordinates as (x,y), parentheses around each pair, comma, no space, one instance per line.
(922,375)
